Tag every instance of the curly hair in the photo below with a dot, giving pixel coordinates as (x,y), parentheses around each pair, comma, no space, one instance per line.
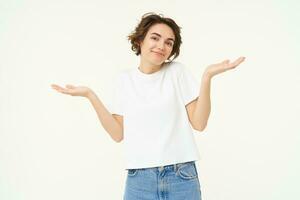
(148,20)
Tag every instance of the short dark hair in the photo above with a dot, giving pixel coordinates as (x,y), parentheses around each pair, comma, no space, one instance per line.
(148,20)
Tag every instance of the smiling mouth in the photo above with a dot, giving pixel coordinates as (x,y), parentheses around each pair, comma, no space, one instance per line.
(158,53)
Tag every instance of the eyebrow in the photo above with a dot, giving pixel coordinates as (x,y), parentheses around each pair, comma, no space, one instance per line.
(160,36)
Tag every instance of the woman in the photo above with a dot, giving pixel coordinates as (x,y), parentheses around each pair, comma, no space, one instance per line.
(160,102)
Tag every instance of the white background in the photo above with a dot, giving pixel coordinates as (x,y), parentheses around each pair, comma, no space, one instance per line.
(52,146)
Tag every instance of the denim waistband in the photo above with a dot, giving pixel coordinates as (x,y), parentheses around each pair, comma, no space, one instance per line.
(172,166)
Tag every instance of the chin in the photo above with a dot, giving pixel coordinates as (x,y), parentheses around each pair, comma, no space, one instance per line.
(158,61)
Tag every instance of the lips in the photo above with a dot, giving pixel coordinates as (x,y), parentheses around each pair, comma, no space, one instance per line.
(158,53)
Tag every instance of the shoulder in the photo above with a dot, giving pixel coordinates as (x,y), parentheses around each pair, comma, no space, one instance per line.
(178,68)
(121,75)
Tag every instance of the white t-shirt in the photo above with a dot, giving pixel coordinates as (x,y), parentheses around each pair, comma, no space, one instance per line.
(156,127)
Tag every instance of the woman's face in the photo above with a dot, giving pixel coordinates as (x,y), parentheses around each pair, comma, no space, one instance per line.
(157,44)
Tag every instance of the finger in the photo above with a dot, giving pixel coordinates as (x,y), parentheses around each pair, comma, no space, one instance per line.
(70,86)
(237,61)
(65,92)
(225,61)
(53,86)
(60,89)
(56,87)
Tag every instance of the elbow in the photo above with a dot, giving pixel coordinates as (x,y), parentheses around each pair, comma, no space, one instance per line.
(200,127)
(118,135)
(118,140)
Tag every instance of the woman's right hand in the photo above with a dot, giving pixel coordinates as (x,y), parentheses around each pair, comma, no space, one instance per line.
(73,90)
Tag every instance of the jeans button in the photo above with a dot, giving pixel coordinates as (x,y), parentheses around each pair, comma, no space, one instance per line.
(161,168)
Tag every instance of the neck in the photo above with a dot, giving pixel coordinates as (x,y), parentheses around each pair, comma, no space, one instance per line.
(149,68)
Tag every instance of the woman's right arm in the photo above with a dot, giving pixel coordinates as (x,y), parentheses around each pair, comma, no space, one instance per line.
(112,124)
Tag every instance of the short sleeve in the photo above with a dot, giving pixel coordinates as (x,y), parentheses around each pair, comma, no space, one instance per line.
(117,101)
(189,86)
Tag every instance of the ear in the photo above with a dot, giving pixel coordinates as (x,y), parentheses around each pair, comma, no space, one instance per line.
(140,43)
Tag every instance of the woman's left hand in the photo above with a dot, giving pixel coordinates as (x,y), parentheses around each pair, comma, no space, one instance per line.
(223,66)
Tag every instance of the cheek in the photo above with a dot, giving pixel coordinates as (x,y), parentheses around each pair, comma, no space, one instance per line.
(151,44)
(148,45)
(170,50)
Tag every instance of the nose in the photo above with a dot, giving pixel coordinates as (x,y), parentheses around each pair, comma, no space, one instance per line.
(161,46)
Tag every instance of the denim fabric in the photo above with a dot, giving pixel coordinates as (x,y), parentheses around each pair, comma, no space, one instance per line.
(171,182)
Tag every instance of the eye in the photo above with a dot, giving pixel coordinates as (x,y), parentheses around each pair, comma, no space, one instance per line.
(155,38)
(170,44)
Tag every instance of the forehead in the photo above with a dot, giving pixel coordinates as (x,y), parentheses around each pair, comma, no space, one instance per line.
(162,29)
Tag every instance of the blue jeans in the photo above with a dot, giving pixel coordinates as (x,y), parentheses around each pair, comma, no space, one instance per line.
(171,182)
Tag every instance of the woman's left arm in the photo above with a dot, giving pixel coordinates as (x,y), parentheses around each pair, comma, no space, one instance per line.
(199,109)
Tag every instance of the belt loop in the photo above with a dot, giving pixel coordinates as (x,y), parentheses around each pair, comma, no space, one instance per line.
(161,168)
(175,167)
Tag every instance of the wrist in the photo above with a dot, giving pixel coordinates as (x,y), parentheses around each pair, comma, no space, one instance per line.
(90,94)
(206,76)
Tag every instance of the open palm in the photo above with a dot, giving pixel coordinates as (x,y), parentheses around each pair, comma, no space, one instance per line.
(223,66)
(72,90)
